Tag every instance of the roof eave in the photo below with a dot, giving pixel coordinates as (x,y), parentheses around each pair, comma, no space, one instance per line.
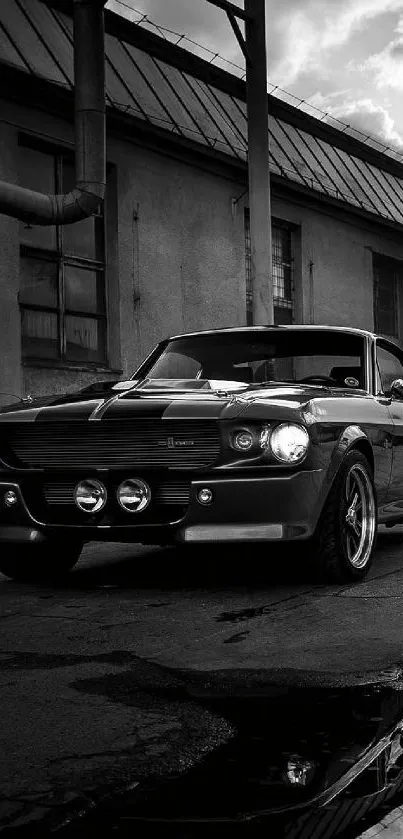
(35,91)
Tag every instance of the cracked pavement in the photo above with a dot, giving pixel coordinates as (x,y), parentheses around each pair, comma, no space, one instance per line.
(103,677)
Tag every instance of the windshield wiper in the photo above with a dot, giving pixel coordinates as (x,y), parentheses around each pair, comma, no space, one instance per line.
(277,382)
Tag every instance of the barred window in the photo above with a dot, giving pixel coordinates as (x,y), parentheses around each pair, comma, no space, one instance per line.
(282,272)
(388,275)
(62,271)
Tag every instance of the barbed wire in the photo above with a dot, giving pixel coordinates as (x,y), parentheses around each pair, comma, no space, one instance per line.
(275,90)
(145,20)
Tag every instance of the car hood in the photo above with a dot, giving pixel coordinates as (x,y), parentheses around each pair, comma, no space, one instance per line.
(165,403)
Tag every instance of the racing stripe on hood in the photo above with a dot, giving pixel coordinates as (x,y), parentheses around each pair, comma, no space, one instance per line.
(67,410)
(175,406)
(24,415)
(49,411)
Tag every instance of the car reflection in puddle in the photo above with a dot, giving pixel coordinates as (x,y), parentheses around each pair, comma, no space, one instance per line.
(304,764)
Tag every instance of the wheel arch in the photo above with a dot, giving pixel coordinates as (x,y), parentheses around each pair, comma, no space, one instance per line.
(363,445)
(351,438)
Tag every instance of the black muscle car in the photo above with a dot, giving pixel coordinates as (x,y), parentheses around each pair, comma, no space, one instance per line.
(255,434)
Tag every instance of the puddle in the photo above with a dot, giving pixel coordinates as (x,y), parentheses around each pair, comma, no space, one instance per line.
(304,764)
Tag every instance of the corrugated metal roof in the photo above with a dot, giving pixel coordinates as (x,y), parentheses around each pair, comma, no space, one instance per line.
(38,39)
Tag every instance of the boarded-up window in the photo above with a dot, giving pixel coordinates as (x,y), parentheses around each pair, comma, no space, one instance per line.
(282,272)
(388,276)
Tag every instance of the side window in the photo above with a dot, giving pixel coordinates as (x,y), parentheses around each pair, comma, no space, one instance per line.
(389,367)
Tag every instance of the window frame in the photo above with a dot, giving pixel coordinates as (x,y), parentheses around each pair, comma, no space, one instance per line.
(280,304)
(395,351)
(59,257)
(396,270)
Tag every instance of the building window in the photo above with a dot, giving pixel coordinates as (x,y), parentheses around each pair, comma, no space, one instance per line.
(62,271)
(388,276)
(282,272)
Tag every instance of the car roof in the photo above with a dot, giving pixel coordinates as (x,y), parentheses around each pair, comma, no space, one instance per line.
(295,327)
(289,327)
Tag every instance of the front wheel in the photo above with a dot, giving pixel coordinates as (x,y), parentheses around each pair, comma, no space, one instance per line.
(344,543)
(49,561)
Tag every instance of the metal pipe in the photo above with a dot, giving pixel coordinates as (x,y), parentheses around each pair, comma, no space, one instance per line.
(231,8)
(90,143)
(258,163)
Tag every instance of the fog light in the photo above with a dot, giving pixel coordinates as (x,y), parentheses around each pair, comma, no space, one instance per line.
(10,498)
(134,495)
(205,496)
(90,495)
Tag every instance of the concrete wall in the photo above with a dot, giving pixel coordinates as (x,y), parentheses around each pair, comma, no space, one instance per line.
(181,250)
(176,257)
(334,276)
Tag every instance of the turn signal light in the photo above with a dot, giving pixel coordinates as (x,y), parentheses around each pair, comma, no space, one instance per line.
(242,440)
(10,498)
(205,495)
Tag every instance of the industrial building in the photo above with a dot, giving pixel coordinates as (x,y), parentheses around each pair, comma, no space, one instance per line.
(171,252)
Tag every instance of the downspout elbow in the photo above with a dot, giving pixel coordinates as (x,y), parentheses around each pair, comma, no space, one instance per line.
(87,197)
(40,209)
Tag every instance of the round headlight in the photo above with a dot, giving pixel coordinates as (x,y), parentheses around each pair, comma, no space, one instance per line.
(134,495)
(300,772)
(242,440)
(289,442)
(90,495)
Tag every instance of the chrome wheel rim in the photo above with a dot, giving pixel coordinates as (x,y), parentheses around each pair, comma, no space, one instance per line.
(358,516)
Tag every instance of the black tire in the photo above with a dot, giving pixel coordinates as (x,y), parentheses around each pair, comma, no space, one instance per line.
(344,542)
(49,561)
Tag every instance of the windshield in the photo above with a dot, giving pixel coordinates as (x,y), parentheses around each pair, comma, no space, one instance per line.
(335,359)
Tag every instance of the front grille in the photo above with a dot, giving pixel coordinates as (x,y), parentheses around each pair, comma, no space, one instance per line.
(169,492)
(115,443)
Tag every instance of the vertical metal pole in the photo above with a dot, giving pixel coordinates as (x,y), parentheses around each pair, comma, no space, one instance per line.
(258,163)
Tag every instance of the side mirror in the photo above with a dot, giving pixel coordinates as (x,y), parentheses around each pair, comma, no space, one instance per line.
(396,388)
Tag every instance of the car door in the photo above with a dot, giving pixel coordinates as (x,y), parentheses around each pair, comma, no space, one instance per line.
(389,363)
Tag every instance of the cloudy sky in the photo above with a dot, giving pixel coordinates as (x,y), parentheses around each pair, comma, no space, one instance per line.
(344,56)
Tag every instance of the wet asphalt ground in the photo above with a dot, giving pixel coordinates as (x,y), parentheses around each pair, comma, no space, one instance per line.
(180,681)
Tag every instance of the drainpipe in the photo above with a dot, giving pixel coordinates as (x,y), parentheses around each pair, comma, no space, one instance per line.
(89,106)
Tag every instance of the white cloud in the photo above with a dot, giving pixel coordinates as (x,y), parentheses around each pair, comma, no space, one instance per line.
(307,31)
(387,65)
(366,115)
